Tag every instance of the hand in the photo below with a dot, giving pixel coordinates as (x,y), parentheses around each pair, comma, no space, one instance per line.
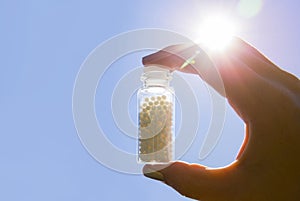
(268,100)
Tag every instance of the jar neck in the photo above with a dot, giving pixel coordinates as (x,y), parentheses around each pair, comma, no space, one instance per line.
(150,82)
(155,76)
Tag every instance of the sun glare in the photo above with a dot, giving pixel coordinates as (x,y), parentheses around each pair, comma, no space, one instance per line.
(216,32)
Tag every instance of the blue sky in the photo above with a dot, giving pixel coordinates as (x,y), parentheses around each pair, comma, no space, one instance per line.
(43,44)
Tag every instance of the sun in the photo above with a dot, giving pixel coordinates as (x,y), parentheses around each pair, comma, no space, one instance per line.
(215,32)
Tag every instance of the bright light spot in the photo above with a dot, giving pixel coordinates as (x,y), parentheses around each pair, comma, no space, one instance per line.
(249,8)
(216,32)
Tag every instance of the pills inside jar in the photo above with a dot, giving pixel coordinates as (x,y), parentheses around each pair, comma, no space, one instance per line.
(155,129)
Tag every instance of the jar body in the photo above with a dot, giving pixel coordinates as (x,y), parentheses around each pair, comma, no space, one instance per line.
(156,118)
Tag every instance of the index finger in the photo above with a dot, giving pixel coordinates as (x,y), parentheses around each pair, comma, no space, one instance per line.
(225,72)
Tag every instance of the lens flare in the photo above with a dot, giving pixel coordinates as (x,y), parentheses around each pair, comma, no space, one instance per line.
(216,32)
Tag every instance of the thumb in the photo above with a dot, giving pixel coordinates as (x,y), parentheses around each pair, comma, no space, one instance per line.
(193,180)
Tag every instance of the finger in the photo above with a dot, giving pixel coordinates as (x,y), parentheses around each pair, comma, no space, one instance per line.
(172,57)
(195,181)
(241,71)
(226,74)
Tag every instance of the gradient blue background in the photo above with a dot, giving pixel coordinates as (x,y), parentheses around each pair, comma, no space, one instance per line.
(42,46)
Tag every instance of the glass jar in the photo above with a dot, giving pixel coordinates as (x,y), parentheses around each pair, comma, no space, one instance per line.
(156,116)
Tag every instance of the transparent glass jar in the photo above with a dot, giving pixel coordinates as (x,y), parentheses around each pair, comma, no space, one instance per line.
(156,116)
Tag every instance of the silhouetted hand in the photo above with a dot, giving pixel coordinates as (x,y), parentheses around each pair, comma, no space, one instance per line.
(268,100)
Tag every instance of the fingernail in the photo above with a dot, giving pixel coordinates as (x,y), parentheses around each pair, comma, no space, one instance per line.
(155,175)
(155,57)
(148,59)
